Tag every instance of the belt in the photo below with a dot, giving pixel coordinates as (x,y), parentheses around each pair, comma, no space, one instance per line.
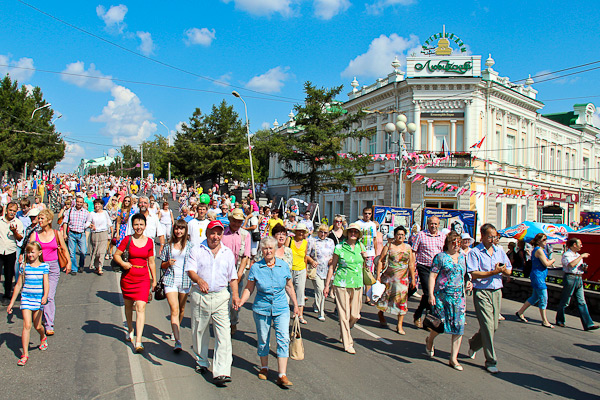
(139,266)
(79,233)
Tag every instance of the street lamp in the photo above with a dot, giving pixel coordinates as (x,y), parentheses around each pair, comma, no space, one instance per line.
(401,127)
(169,138)
(236,94)
(54,120)
(39,108)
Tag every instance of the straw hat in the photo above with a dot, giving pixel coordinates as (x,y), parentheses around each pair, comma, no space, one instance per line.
(353,225)
(301,227)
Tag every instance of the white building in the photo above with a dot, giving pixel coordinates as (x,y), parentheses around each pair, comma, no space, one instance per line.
(451,99)
(86,167)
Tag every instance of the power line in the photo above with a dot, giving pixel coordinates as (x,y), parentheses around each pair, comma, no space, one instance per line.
(164,64)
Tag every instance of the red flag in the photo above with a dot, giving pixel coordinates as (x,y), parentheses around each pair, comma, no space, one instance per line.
(478,144)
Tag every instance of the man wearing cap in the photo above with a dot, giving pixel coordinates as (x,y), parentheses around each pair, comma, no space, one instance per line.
(211,267)
(197,226)
(74,221)
(11,231)
(238,240)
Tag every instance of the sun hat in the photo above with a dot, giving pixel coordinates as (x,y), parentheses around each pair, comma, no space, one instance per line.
(467,236)
(238,214)
(355,226)
(34,212)
(300,227)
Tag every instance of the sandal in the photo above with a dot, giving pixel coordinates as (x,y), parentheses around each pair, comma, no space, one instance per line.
(22,361)
(548,326)
(303,321)
(521,317)
(129,336)
(44,344)
(100,272)
(107,257)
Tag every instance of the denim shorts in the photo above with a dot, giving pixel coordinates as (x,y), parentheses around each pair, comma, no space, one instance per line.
(539,297)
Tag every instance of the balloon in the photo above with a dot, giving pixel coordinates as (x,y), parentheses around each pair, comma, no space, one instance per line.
(232,199)
(205,198)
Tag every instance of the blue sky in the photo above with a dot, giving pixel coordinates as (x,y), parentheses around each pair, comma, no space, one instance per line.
(266,46)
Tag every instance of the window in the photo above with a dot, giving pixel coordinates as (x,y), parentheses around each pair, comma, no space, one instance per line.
(499,220)
(442,133)
(510,149)
(339,207)
(423,137)
(552,160)
(523,213)
(497,145)
(373,143)
(441,204)
(329,211)
(511,215)
(568,160)
(558,162)
(543,158)
(460,138)
(586,168)
(523,152)
(387,143)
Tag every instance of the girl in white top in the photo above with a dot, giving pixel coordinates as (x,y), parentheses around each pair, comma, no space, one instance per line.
(176,281)
(165,215)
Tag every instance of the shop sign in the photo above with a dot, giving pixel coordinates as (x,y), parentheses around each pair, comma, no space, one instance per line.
(422,67)
(367,188)
(560,196)
(445,66)
(433,192)
(513,192)
(540,204)
(442,115)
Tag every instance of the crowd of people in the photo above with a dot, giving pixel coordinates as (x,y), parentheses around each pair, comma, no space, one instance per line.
(218,250)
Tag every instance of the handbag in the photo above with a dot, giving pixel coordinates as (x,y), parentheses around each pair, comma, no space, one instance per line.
(311,272)
(296,344)
(255,236)
(63,258)
(159,290)
(431,322)
(125,257)
(368,278)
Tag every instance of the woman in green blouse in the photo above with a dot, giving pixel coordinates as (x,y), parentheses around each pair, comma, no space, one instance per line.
(346,265)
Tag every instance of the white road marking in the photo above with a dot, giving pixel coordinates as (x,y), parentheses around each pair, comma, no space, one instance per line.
(360,328)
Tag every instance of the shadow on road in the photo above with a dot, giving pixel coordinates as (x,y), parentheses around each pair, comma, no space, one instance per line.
(12,341)
(112,297)
(591,347)
(537,383)
(576,362)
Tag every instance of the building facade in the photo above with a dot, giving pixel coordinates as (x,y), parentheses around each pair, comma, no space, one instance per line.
(87,167)
(455,104)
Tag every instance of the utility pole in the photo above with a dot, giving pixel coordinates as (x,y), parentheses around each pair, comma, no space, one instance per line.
(141,162)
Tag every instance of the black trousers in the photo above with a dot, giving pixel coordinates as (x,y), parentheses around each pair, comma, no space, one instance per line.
(7,262)
(423,271)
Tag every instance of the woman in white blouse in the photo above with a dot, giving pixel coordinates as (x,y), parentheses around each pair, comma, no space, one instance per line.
(101,226)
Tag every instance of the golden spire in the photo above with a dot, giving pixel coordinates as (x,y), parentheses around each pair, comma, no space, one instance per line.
(443,48)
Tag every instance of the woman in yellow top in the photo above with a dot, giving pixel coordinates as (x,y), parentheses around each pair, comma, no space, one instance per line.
(299,245)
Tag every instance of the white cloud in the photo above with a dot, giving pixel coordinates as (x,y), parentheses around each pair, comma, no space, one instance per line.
(382,50)
(203,36)
(271,81)
(126,120)
(147,45)
(179,126)
(29,89)
(112,152)
(265,125)
(73,155)
(113,18)
(327,9)
(264,7)
(224,80)
(8,67)
(378,6)
(87,78)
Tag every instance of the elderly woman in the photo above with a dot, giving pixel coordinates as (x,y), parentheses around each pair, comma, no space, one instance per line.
(447,295)
(320,254)
(139,276)
(347,265)
(272,278)
(539,272)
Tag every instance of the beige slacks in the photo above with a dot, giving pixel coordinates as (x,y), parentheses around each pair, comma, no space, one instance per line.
(99,241)
(349,303)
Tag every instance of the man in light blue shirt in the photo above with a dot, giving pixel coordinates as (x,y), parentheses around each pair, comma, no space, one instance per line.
(486,264)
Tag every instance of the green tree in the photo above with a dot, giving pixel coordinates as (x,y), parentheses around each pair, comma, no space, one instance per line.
(24,139)
(261,154)
(309,153)
(212,146)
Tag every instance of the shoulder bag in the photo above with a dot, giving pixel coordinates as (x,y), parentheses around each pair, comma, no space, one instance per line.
(431,322)
(296,345)
(125,257)
(63,257)
(159,290)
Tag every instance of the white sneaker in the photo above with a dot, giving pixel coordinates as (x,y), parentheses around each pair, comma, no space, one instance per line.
(471,354)
(321,318)
(172,337)
(416,295)
(492,369)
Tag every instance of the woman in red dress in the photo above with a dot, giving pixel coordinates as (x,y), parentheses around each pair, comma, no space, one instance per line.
(139,276)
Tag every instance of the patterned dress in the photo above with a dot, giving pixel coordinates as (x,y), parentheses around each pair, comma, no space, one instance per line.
(395,279)
(33,286)
(123,227)
(449,292)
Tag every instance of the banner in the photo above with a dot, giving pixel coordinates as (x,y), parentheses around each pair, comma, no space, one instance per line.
(459,221)
(555,233)
(389,218)
(589,218)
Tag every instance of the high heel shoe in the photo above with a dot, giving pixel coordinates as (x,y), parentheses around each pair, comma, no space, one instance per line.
(427,351)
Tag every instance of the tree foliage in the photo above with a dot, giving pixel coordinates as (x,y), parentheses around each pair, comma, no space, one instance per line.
(24,139)
(309,151)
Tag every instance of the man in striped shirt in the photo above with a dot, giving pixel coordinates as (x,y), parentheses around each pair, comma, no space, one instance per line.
(427,244)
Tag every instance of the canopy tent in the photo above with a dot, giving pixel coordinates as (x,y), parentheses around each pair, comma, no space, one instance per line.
(556,233)
(589,228)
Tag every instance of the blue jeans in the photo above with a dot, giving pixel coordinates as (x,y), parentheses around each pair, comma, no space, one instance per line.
(539,297)
(281,324)
(573,285)
(77,240)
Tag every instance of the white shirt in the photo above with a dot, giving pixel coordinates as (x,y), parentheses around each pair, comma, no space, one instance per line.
(197,230)
(153,229)
(101,221)
(369,234)
(567,258)
(217,271)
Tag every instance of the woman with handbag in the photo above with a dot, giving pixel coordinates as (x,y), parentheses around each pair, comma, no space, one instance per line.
(299,247)
(52,244)
(399,260)
(346,269)
(138,278)
(272,278)
(447,296)
(176,282)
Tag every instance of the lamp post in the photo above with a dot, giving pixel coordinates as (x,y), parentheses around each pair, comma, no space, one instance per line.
(54,120)
(401,127)
(169,138)
(39,108)
(236,94)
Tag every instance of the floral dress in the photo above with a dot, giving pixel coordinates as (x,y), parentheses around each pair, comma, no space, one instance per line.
(123,227)
(449,292)
(396,280)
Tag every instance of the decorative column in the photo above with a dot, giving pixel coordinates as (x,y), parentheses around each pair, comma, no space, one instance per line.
(379,134)
(501,146)
(453,135)
(469,135)
(417,121)
(430,136)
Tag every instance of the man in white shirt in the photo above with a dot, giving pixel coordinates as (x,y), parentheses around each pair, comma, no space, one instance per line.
(101,230)
(154,229)
(197,226)
(369,236)
(574,268)
(11,231)
(211,267)
(308,222)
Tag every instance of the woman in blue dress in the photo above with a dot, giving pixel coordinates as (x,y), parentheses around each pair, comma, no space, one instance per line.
(539,271)
(447,295)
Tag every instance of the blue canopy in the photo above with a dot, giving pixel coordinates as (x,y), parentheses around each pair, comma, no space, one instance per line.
(589,228)
(556,233)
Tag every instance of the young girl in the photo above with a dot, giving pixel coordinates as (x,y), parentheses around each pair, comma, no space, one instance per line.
(33,279)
